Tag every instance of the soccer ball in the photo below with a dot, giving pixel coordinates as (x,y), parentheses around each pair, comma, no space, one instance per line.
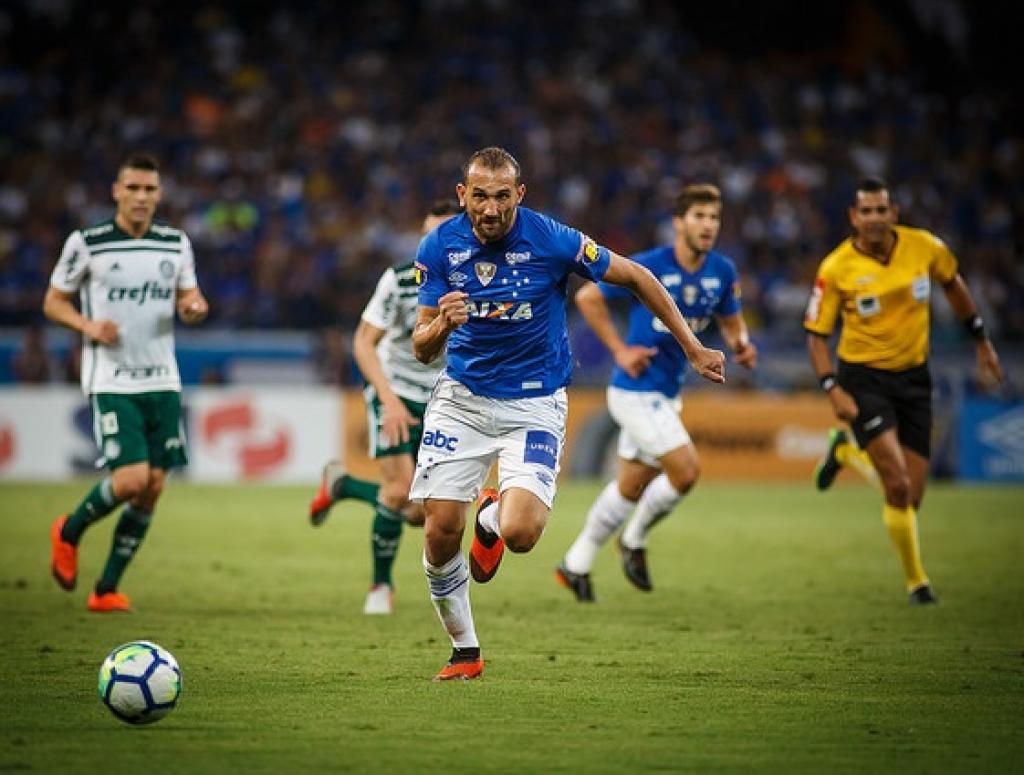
(140,682)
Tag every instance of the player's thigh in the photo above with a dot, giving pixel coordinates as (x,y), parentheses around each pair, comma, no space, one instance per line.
(633,478)
(650,424)
(396,473)
(457,449)
(911,392)
(530,437)
(379,445)
(870,389)
(119,428)
(165,429)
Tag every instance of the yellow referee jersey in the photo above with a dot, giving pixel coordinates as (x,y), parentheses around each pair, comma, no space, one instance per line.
(885,307)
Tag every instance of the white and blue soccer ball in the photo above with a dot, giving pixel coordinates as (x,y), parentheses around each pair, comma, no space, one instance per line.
(140,682)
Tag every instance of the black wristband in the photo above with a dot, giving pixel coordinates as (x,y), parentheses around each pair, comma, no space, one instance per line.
(975,326)
(827,381)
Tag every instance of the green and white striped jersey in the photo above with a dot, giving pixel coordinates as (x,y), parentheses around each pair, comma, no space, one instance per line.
(133,282)
(392,308)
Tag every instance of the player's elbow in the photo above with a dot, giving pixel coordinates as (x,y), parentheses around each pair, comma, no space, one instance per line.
(51,303)
(422,353)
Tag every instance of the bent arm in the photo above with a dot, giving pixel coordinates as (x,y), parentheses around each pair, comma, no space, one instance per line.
(734,331)
(430,335)
(960,299)
(59,307)
(844,407)
(435,324)
(592,305)
(710,364)
(821,357)
(642,284)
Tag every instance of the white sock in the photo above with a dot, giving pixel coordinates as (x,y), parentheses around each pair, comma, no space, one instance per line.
(658,500)
(489,519)
(449,592)
(607,513)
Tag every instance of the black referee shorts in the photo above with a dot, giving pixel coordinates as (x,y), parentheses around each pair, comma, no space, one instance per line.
(890,399)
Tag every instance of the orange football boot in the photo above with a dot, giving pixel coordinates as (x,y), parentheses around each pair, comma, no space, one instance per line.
(320,506)
(63,556)
(109,602)
(487,548)
(461,671)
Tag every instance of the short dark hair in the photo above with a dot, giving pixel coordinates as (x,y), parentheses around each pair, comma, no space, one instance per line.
(493,158)
(443,207)
(139,161)
(872,185)
(696,194)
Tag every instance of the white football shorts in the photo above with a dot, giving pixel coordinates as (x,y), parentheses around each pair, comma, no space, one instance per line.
(649,422)
(463,434)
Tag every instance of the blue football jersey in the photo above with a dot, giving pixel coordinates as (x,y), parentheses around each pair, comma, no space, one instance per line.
(515,344)
(711,290)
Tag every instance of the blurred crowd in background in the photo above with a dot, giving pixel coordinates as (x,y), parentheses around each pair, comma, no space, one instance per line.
(302,143)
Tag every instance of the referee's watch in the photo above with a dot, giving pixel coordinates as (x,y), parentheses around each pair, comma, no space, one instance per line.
(827,382)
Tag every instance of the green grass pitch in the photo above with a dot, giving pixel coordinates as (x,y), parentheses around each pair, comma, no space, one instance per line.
(778,638)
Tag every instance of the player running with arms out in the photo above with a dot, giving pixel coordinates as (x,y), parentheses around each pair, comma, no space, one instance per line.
(879,282)
(132,275)
(493,289)
(398,387)
(658,464)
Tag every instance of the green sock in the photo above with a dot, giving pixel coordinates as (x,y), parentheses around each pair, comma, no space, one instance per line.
(131,529)
(387,530)
(360,489)
(97,504)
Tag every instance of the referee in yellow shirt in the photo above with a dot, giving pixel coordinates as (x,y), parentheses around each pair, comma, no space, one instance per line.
(879,281)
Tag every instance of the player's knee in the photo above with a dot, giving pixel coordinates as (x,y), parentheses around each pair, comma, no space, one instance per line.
(439,532)
(683,479)
(521,539)
(632,490)
(130,483)
(155,487)
(395,494)
(522,536)
(414,514)
(897,488)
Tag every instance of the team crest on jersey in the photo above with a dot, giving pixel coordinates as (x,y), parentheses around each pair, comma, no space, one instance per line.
(166,269)
(485,271)
(419,273)
(690,293)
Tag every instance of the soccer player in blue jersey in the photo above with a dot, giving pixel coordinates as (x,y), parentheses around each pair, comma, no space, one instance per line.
(658,464)
(492,287)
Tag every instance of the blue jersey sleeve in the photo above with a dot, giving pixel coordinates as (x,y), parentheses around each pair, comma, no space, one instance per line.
(730,301)
(429,268)
(573,251)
